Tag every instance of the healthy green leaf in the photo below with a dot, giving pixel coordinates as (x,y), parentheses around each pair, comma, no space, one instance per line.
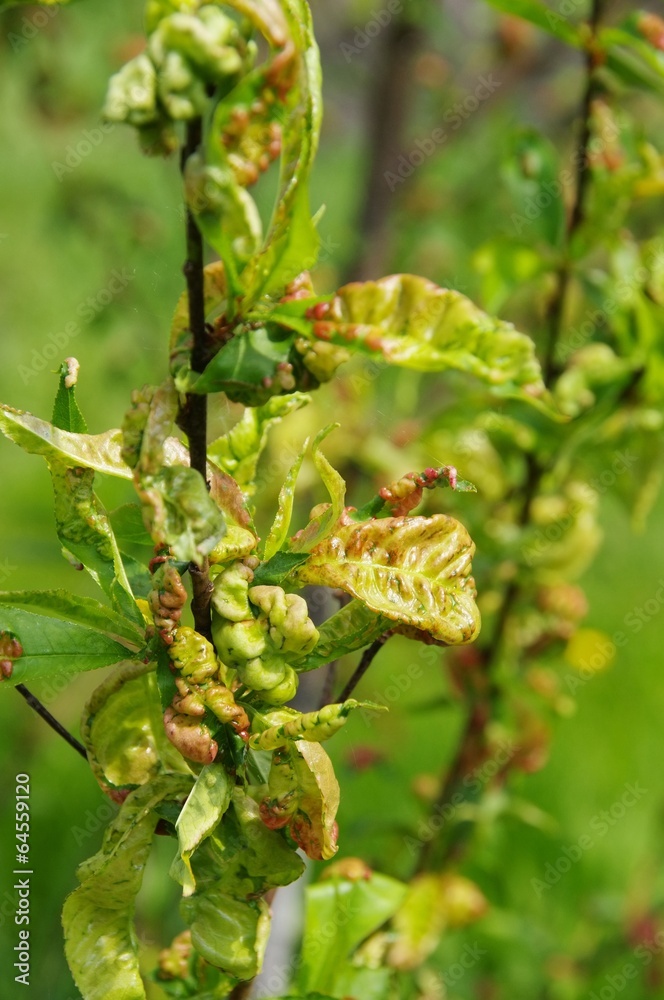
(542,16)
(66,412)
(77,610)
(412,570)
(248,368)
(53,648)
(100,941)
(277,569)
(351,628)
(532,173)
(355,909)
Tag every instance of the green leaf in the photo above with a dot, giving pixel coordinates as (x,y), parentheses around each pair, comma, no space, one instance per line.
(314,827)
(101,452)
(123,729)
(319,527)
(277,569)
(542,16)
(291,243)
(532,173)
(412,570)
(355,909)
(351,628)
(181,512)
(100,941)
(207,802)
(53,648)
(238,452)
(130,532)
(85,531)
(233,867)
(66,412)
(635,62)
(281,526)
(285,725)
(247,367)
(413,323)
(77,610)
(418,923)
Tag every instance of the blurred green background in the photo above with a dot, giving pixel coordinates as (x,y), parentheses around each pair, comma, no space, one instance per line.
(91,234)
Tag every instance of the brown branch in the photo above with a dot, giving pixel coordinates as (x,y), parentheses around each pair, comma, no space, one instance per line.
(242,991)
(192,417)
(387,113)
(479,715)
(368,657)
(50,720)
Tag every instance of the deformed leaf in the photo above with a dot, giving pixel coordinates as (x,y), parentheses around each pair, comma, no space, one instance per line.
(286,725)
(314,827)
(181,512)
(53,648)
(85,531)
(101,452)
(413,323)
(207,802)
(352,627)
(412,570)
(239,451)
(250,368)
(100,941)
(281,526)
(123,729)
(418,923)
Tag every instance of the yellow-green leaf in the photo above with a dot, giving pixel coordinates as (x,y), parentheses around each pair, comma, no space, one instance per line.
(413,570)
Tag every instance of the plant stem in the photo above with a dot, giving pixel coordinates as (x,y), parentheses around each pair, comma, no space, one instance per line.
(555,312)
(242,991)
(56,726)
(472,739)
(367,659)
(387,115)
(192,417)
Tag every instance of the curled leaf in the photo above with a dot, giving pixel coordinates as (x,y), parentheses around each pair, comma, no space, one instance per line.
(412,570)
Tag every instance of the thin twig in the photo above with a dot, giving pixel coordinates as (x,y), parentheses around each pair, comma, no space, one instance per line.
(387,116)
(192,417)
(56,726)
(367,659)
(242,991)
